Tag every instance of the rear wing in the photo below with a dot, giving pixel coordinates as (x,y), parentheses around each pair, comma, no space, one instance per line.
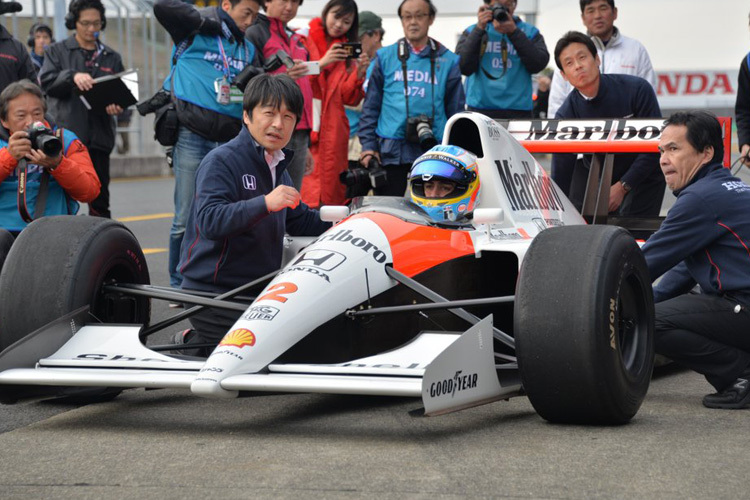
(600,136)
(607,136)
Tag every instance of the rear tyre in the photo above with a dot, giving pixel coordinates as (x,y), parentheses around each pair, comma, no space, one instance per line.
(584,322)
(58,264)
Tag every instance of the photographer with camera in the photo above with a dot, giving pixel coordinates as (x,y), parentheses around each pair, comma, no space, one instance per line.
(498,55)
(70,67)
(15,62)
(43,170)
(211,63)
(414,87)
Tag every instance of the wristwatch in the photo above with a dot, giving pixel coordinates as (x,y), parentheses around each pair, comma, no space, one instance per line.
(626,186)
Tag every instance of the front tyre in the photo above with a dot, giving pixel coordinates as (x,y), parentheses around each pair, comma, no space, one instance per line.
(584,325)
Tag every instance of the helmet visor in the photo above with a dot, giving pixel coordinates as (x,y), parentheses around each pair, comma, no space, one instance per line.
(450,171)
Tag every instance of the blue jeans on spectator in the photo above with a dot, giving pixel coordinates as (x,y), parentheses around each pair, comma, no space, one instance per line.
(187,155)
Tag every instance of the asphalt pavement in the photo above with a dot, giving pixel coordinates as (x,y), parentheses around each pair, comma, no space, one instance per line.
(169,444)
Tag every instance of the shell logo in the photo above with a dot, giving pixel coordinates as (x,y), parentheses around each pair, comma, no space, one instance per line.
(238,338)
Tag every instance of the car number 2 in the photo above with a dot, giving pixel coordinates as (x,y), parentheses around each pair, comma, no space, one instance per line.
(278,291)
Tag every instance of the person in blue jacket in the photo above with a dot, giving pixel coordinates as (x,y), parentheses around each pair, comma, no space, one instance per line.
(209,56)
(637,188)
(498,59)
(397,109)
(244,203)
(704,240)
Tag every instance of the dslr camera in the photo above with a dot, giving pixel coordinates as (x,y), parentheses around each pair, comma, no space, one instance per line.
(44,140)
(359,180)
(499,13)
(154,103)
(419,131)
(279,59)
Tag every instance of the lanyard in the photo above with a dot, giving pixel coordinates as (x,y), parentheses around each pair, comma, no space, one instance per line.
(225,61)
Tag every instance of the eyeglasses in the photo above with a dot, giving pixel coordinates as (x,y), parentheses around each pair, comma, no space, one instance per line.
(90,24)
(407,18)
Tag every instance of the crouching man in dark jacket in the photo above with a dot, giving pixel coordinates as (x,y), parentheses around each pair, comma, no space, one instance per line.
(244,204)
(704,240)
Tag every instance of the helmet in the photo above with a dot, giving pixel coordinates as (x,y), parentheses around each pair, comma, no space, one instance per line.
(451,164)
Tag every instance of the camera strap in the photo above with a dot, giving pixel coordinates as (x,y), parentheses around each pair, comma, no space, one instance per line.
(41,198)
(403,56)
(503,55)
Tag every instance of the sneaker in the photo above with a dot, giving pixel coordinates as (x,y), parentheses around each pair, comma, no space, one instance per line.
(735,397)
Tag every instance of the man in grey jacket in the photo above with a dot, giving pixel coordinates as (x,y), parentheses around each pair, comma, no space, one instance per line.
(617,53)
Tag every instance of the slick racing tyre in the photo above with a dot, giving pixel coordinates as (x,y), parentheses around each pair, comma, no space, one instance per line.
(59,264)
(6,241)
(584,323)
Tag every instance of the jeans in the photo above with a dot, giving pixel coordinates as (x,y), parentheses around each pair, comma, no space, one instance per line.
(188,153)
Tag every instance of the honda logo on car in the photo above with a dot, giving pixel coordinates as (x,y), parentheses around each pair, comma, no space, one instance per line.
(458,383)
(345,235)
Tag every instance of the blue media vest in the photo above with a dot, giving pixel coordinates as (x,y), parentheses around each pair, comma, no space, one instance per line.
(513,89)
(392,120)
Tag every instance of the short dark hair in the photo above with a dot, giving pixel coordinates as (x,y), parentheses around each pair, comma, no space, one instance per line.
(15,90)
(77,6)
(569,38)
(585,3)
(273,90)
(234,3)
(433,9)
(264,2)
(345,7)
(703,130)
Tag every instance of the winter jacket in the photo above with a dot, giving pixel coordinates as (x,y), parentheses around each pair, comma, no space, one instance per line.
(201,63)
(230,237)
(489,87)
(15,63)
(269,35)
(742,105)
(74,179)
(62,60)
(621,55)
(336,86)
(382,126)
(704,239)
(619,96)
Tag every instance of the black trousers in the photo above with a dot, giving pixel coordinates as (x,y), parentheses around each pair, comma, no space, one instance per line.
(397,180)
(643,201)
(100,206)
(210,326)
(706,333)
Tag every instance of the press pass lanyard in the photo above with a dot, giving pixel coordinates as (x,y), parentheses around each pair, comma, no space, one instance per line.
(224,84)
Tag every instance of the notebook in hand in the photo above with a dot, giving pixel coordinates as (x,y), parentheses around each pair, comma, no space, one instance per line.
(121,89)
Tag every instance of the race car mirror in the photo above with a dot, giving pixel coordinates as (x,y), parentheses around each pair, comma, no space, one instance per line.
(333,213)
(488,216)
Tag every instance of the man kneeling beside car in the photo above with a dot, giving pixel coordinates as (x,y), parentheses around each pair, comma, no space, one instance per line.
(43,170)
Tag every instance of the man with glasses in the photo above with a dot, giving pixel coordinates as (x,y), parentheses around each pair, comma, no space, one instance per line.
(414,87)
(498,55)
(71,65)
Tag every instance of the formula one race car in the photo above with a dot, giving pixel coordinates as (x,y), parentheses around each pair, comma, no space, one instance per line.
(525,299)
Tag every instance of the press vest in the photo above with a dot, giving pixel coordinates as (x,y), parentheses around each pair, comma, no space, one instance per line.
(509,90)
(392,120)
(58,202)
(201,64)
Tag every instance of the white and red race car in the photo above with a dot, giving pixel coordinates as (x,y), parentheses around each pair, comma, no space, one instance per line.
(524,299)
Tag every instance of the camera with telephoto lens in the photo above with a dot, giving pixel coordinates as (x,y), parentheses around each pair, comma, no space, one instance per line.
(44,140)
(499,13)
(154,103)
(360,180)
(419,131)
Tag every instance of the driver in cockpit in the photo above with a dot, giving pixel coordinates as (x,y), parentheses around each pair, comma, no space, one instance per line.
(444,182)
